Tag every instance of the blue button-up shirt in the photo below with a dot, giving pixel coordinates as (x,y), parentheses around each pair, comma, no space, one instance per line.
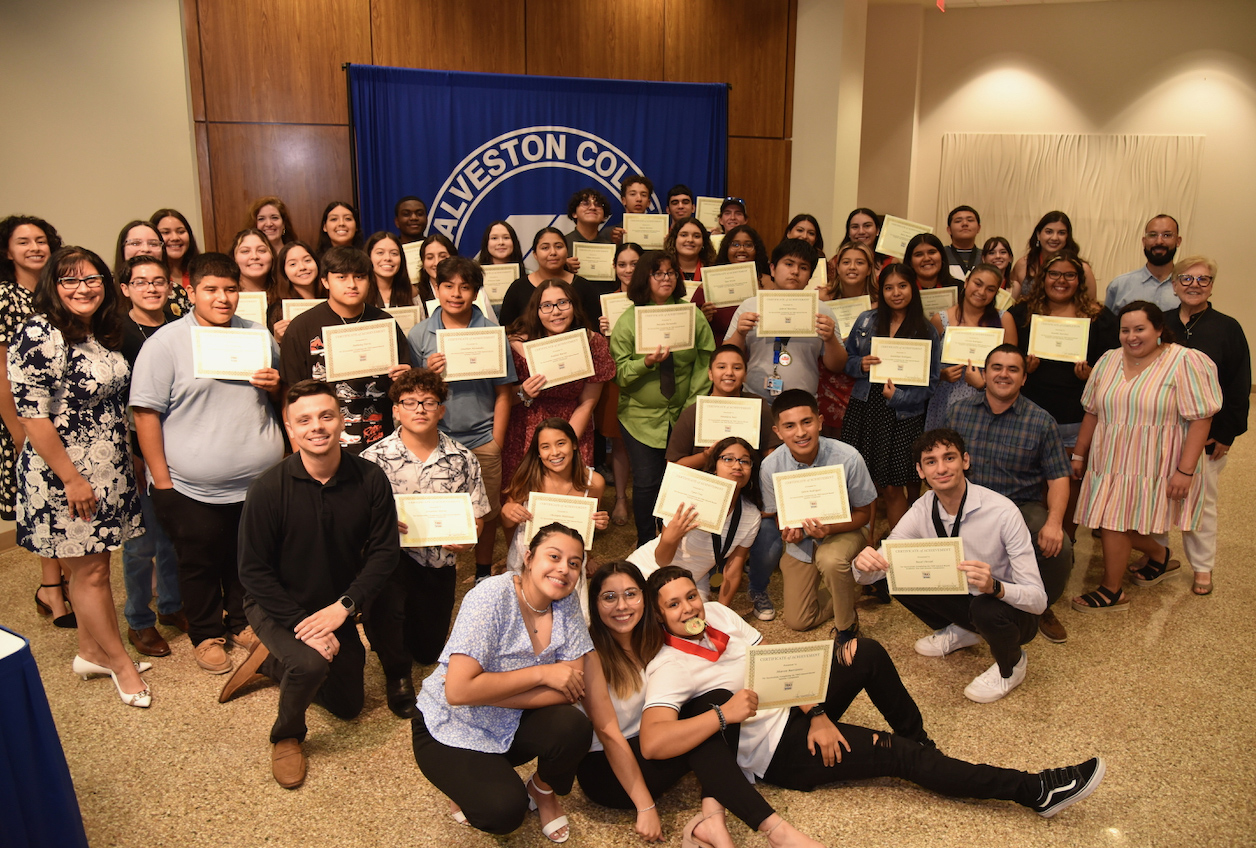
(1140,285)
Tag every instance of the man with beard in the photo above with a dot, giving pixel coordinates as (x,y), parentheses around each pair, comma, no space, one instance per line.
(1154,281)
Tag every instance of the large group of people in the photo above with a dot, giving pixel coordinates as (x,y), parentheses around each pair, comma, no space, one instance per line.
(622,675)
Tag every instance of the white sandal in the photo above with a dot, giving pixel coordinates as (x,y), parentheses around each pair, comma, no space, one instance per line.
(552,827)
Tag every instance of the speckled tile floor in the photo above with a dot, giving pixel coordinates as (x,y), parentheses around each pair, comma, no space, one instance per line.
(1163,692)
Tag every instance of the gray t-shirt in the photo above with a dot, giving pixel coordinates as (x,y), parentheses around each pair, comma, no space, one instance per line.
(219,434)
(803,370)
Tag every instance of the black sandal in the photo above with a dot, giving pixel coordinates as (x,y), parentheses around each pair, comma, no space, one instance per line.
(1102,600)
(1153,572)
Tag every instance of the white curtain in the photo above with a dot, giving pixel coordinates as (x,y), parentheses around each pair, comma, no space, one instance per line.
(1109,185)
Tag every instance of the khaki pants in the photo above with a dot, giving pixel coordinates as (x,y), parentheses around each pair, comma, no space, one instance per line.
(809,604)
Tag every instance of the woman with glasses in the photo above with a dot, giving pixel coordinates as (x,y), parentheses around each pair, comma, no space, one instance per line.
(740,244)
(77,501)
(655,386)
(140,238)
(553,310)
(549,249)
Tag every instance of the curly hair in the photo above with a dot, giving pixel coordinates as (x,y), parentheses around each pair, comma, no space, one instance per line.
(418,380)
(1085,305)
(8,226)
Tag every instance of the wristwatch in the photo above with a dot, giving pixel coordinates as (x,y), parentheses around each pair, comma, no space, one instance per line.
(817,710)
(347,603)
(998,587)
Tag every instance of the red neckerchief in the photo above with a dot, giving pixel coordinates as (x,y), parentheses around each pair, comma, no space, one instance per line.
(719,639)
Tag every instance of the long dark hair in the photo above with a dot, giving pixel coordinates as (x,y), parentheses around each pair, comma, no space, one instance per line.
(402,293)
(1155,317)
(284,290)
(706,254)
(516,253)
(650,261)
(915,325)
(990,245)
(990,317)
(870,283)
(528,325)
(810,219)
(751,490)
(106,323)
(425,284)
(761,257)
(622,674)
(324,240)
(193,250)
(119,260)
(1034,257)
(531,471)
(944,271)
(8,270)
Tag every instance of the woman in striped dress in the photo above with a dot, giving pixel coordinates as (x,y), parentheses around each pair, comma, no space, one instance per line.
(1149,406)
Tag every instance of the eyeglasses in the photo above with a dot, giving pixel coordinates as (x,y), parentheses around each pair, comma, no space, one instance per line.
(1067,276)
(729,459)
(589,203)
(95,281)
(561,305)
(149,284)
(664,276)
(153,243)
(1202,281)
(632,597)
(412,405)
(1160,236)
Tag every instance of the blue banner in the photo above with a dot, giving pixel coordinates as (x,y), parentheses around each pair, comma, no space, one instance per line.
(483,147)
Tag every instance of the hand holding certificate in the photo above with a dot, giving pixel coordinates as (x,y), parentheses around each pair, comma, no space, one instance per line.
(729,285)
(895,233)
(563,358)
(925,566)
(718,418)
(230,353)
(649,231)
(614,305)
(597,260)
(789,675)
(474,353)
(905,361)
(1061,339)
(569,510)
(818,493)
(788,313)
(670,326)
(962,345)
(365,349)
(711,496)
(434,520)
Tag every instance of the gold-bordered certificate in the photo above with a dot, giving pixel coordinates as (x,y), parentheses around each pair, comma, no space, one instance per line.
(413,252)
(474,353)
(936,300)
(707,210)
(294,306)
(405,316)
(788,313)
(498,279)
(905,361)
(789,675)
(252,305)
(818,493)
(436,519)
(230,353)
(712,496)
(847,310)
(670,325)
(925,566)
(962,345)
(572,511)
(614,305)
(365,349)
(729,285)
(1003,300)
(718,418)
(895,233)
(563,358)
(597,259)
(647,230)
(1061,339)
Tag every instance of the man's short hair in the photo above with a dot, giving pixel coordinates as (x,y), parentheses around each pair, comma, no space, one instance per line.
(461,266)
(957,209)
(635,179)
(128,269)
(729,348)
(792,399)
(346,260)
(799,249)
(309,388)
(1009,348)
(931,439)
(1176,225)
(212,265)
(573,205)
(679,190)
(397,205)
(418,380)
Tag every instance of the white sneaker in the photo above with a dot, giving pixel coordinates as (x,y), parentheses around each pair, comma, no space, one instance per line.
(944,641)
(991,685)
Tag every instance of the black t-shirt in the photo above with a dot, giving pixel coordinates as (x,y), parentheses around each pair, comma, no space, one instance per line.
(1054,385)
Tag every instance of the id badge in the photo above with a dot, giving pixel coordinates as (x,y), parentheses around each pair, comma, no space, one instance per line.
(774,385)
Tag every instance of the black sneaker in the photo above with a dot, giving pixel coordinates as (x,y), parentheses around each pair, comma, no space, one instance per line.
(1062,787)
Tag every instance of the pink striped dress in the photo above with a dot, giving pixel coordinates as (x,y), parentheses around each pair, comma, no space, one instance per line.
(1138,441)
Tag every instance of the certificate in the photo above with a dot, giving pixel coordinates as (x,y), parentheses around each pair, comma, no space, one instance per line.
(614,305)
(1003,300)
(846,310)
(230,353)
(789,675)
(252,306)
(292,307)
(818,493)
(718,418)
(729,285)
(436,519)
(905,361)
(962,345)
(895,233)
(716,240)
(405,316)
(936,300)
(366,349)
(1062,339)
(670,326)
(712,496)
(707,210)
(819,275)
(925,566)
(475,353)
(563,358)
(497,279)
(646,230)
(787,313)
(597,260)
(572,511)
(414,260)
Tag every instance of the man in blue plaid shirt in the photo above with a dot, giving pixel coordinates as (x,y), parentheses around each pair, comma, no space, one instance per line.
(1016,450)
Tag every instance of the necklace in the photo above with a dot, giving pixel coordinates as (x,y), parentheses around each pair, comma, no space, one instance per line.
(523,594)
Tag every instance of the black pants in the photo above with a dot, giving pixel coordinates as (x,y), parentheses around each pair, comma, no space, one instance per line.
(205,538)
(408,621)
(1002,625)
(305,677)
(713,762)
(485,786)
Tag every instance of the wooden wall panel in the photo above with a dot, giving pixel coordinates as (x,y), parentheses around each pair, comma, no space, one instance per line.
(307,166)
(196,78)
(449,35)
(208,237)
(739,42)
(758,170)
(280,60)
(623,39)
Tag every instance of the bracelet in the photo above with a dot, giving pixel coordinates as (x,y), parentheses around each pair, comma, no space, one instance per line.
(1187,473)
(647,809)
(720,714)
(1077,458)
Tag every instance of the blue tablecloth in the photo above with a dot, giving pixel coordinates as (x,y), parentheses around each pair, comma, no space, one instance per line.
(38,807)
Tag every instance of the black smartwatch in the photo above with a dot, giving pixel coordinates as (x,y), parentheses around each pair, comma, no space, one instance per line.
(998,587)
(817,710)
(347,603)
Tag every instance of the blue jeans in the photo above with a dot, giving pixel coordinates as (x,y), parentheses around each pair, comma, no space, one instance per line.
(765,554)
(137,570)
(648,465)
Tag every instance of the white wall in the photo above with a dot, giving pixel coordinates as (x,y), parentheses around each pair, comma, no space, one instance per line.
(1149,67)
(73,149)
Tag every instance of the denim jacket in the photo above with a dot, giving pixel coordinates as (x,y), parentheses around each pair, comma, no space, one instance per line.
(907,401)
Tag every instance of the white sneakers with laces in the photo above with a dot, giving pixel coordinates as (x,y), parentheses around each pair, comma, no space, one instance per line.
(991,685)
(948,639)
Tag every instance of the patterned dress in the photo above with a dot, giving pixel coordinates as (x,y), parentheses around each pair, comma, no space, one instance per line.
(1138,441)
(82,388)
(15,306)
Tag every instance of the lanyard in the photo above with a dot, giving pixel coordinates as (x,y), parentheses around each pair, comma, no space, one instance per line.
(718,639)
(959,516)
(721,546)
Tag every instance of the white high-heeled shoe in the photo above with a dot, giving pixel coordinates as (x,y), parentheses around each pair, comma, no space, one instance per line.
(139,699)
(87,670)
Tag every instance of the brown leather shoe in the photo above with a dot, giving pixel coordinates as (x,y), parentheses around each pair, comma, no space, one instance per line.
(1051,628)
(148,642)
(211,655)
(245,674)
(287,763)
(246,639)
(177,620)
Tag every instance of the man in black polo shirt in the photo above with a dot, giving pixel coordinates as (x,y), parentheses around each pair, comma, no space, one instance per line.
(318,539)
